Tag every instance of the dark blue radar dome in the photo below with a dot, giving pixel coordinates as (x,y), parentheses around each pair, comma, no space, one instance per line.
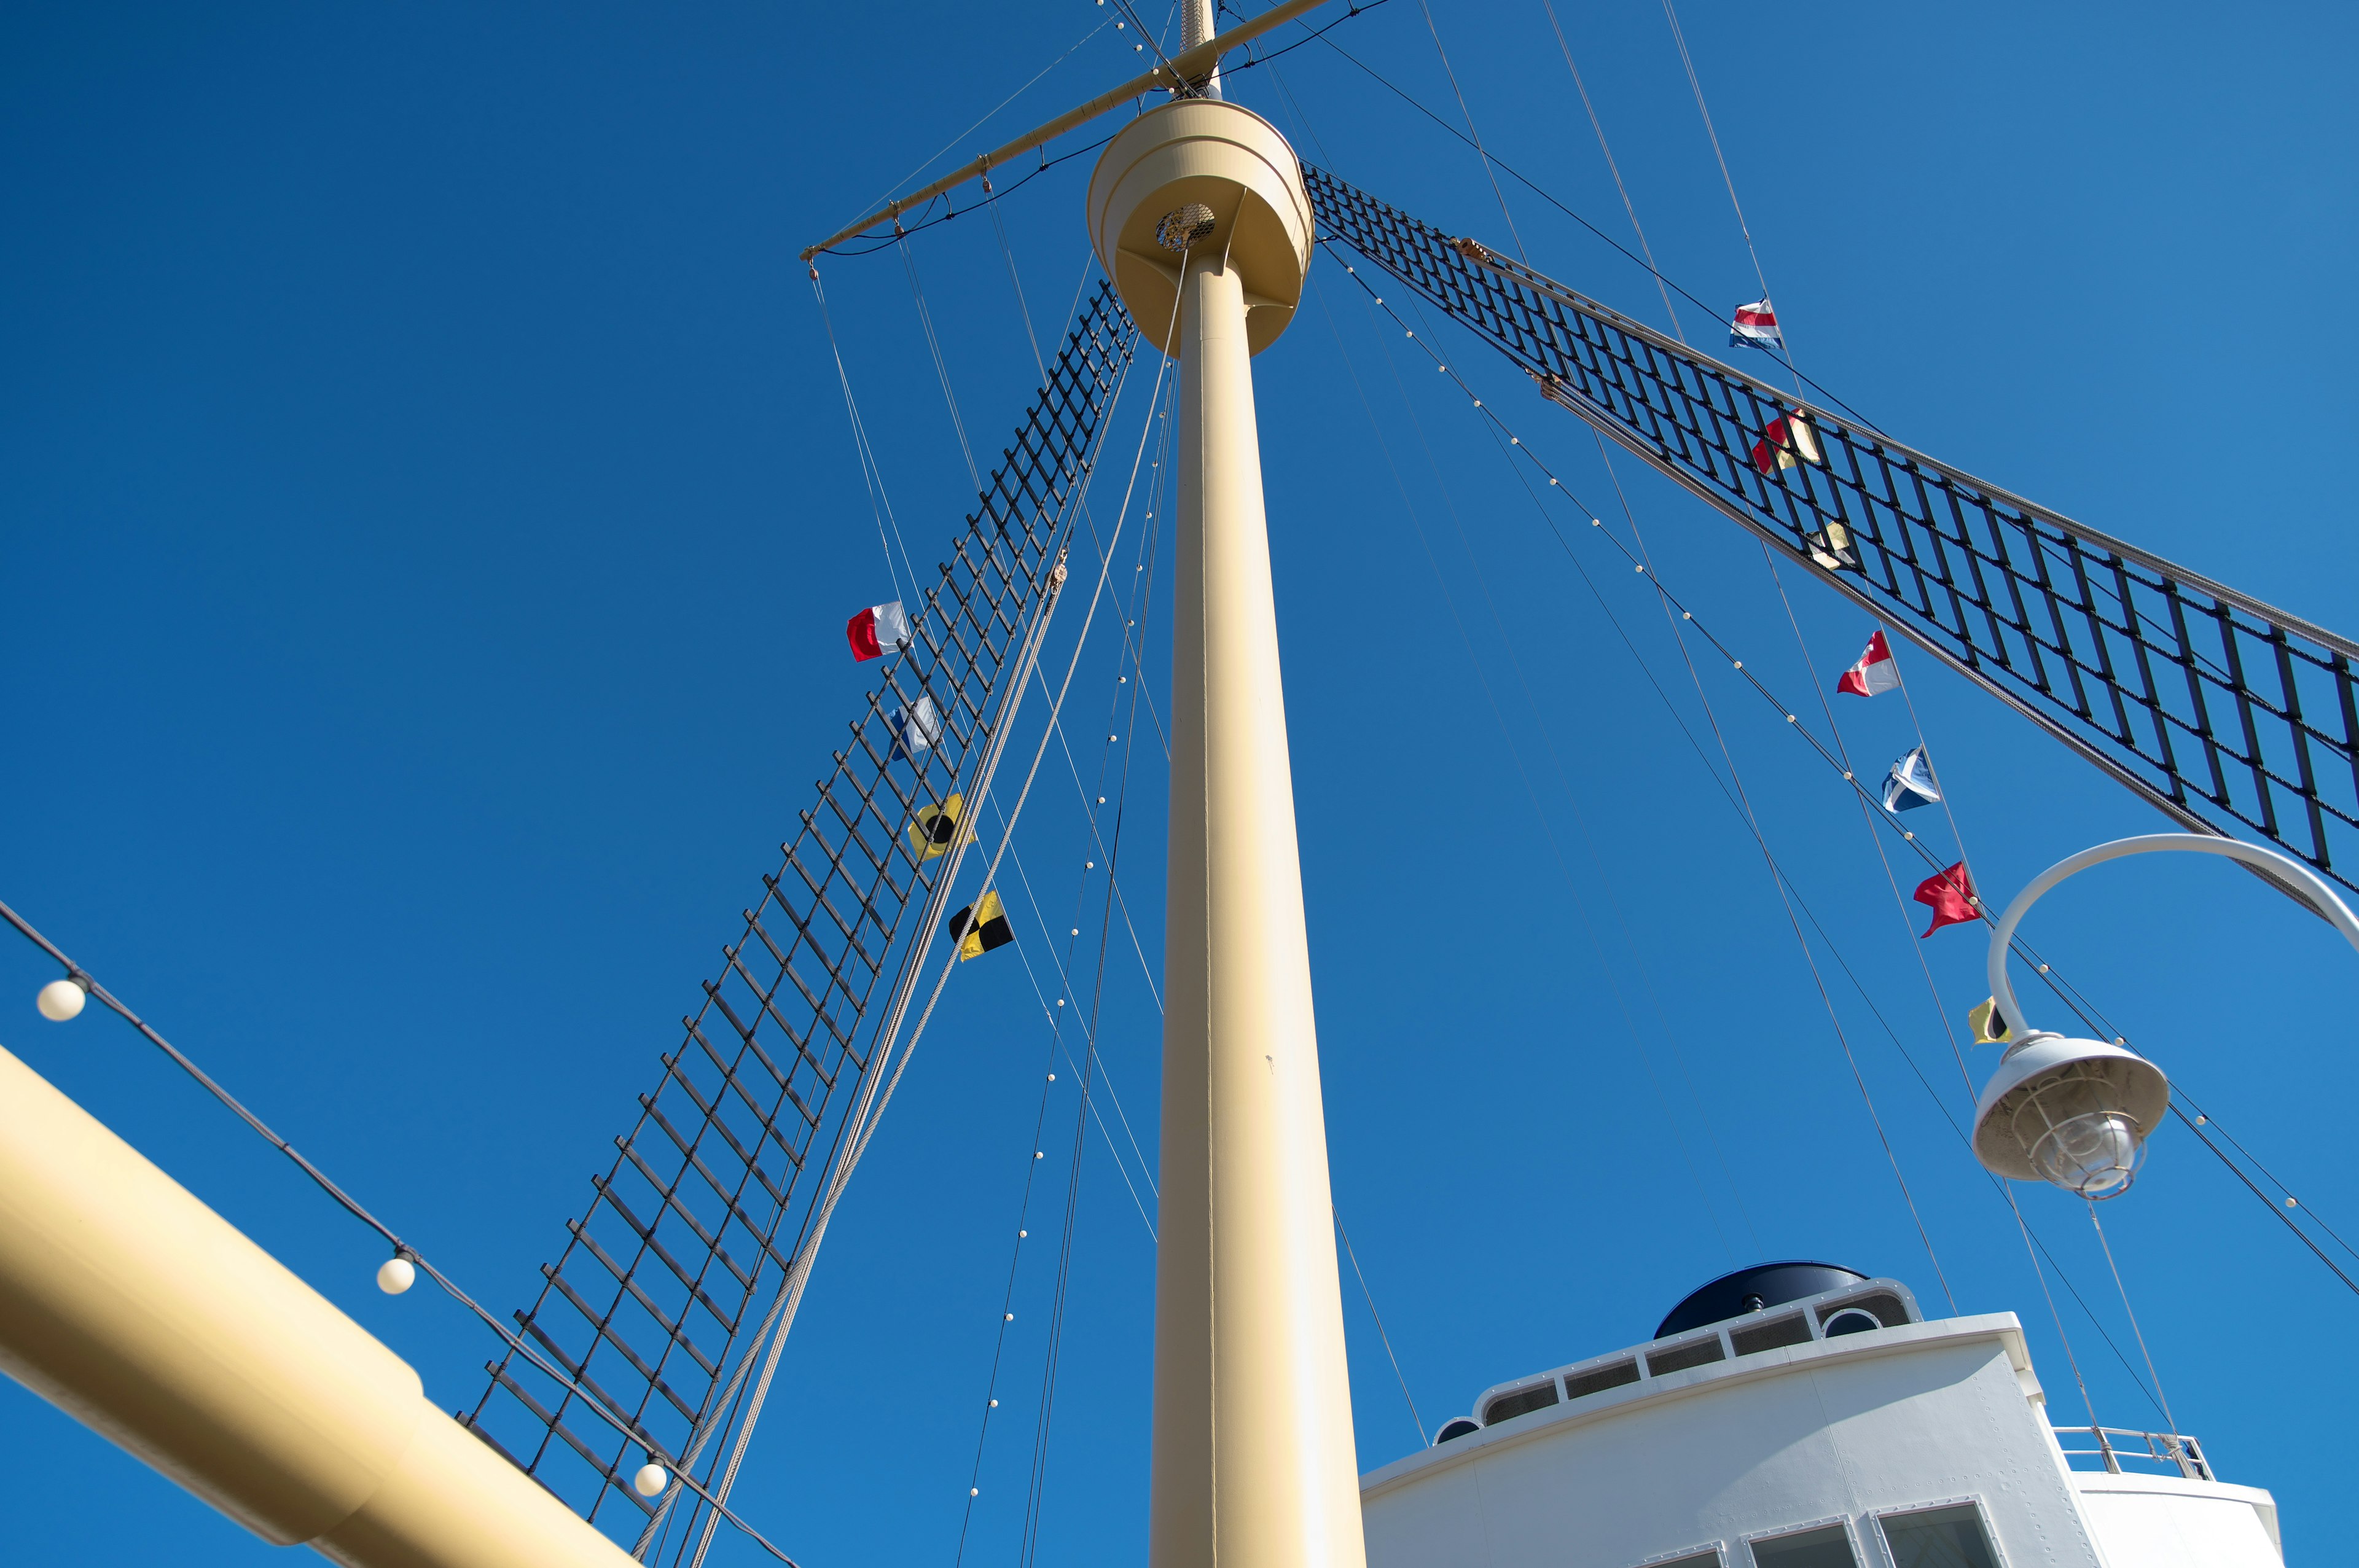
(1751,1290)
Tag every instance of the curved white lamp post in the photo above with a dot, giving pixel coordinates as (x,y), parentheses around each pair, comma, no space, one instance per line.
(2076,1113)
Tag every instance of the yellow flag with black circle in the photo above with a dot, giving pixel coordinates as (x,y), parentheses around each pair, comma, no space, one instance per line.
(1988,1023)
(936,827)
(981,926)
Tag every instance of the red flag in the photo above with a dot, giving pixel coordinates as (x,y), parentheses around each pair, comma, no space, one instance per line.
(1951,895)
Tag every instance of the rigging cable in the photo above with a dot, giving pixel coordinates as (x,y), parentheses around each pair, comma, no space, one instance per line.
(867,1130)
(1387,1339)
(2064,991)
(1540,813)
(1614,170)
(1474,134)
(1563,784)
(2131,1313)
(91,986)
(871,475)
(942,369)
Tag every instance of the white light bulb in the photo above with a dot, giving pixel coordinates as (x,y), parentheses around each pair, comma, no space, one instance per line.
(651,1479)
(396,1275)
(61,999)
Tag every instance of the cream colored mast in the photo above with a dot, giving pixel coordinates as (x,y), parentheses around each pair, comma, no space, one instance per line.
(1198,210)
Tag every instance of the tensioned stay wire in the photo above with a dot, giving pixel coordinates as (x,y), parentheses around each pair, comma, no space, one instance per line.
(1563,784)
(2054,980)
(596,1406)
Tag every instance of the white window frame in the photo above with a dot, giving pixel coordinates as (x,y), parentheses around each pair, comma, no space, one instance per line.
(1980,1504)
(1850,1529)
(1717,1549)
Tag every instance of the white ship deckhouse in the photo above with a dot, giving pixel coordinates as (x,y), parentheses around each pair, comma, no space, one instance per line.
(1801,1415)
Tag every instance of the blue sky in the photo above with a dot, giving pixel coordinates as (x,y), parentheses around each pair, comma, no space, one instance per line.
(429,516)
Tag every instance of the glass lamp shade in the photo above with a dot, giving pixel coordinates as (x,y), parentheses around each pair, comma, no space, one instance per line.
(2075,1113)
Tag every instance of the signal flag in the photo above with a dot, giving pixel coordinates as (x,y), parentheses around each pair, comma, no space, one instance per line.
(1909,785)
(876,631)
(1755,324)
(1988,1023)
(1875,673)
(936,828)
(1951,895)
(981,926)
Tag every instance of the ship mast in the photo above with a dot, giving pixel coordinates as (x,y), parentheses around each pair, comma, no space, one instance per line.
(1199,212)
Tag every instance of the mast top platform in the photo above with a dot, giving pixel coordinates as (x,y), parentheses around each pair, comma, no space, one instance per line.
(1203,177)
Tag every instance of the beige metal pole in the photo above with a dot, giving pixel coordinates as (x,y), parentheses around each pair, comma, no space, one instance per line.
(1254,1462)
(136,1309)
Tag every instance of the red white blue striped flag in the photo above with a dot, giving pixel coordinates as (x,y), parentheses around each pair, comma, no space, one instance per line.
(1755,324)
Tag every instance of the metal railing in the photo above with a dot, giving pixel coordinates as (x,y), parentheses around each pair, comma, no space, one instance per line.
(2120,1445)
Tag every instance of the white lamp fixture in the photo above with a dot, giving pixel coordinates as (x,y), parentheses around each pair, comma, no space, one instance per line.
(61,999)
(651,1480)
(2076,1113)
(395,1274)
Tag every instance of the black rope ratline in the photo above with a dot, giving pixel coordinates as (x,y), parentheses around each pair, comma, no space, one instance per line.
(351,1206)
(1046,164)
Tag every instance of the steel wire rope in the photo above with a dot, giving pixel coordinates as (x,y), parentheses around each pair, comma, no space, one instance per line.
(2000,1187)
(2064,991)
(1473,135)
(1540,813)
(865,1131)
(1310,35)
(988,116)
(2029,1237)
(1065,978)
(1752,821)
(1049,1012)
(1614,168)
(1544,194)
(860,1126)
(948,213)
(1386,1339)
(991,1401)
(1744,798)
(941,367)
(92,987)
(2131,1313)
(1695,85)
(1124,664)
(1613,903)
(1030,1551)
(2070,998)
(1778,883)
(871,475)
(1933,990)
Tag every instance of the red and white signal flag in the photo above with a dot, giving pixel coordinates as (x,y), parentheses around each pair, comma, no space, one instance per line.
(1874,674)
(876,631)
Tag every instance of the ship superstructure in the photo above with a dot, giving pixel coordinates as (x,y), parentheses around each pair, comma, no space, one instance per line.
(1822,1422)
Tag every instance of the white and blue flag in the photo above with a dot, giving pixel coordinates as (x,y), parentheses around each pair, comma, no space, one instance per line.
(1910,785)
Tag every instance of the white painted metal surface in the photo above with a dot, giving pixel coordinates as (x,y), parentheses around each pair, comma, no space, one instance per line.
(1837,1434)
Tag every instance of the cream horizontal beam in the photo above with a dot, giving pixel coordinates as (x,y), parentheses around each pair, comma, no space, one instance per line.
(1188,65)
(133,1307)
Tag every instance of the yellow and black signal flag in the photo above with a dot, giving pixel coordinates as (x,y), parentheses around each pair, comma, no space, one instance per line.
(981,926)
(1988,1023)
(936,827)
